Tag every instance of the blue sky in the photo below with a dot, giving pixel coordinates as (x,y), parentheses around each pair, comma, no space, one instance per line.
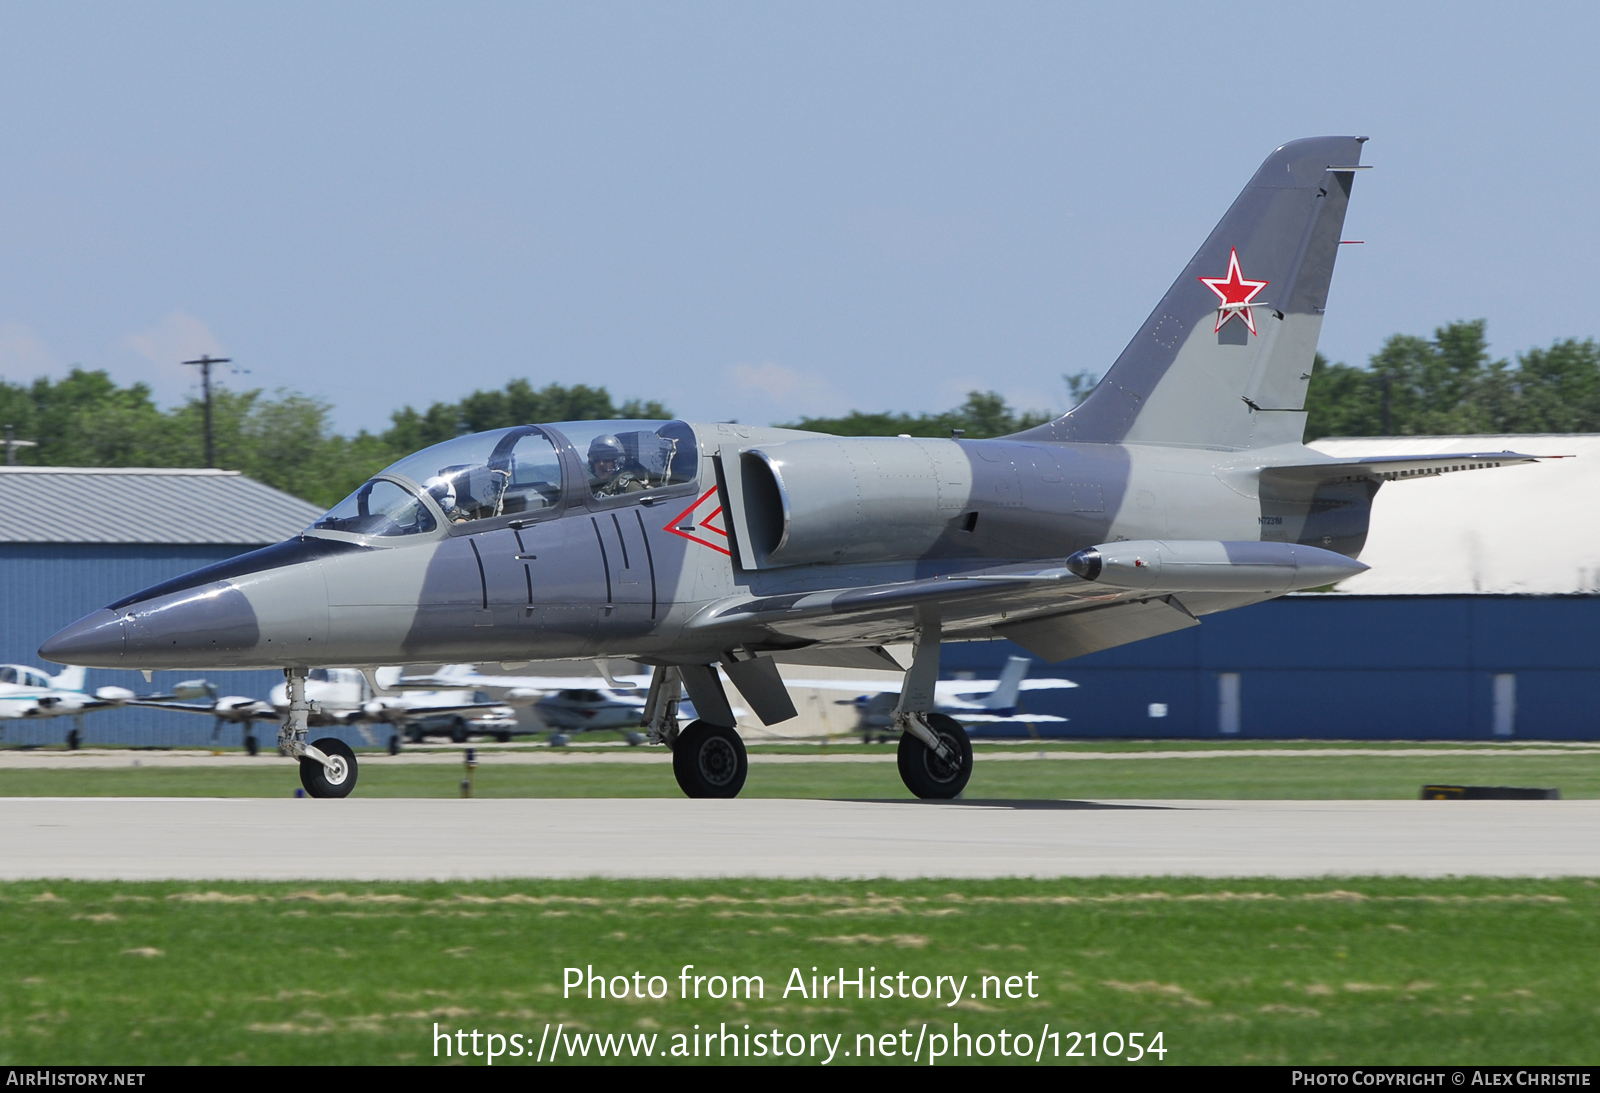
(752,211)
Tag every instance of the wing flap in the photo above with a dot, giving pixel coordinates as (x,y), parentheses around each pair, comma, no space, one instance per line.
(1075,633)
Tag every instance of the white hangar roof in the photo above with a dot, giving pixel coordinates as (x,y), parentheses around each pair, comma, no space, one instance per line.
(145,505)
(1530,529)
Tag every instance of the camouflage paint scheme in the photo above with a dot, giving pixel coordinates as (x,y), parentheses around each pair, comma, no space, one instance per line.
(1184,467)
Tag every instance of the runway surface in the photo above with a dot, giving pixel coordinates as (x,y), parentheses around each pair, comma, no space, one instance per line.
(410,839)
(117,759)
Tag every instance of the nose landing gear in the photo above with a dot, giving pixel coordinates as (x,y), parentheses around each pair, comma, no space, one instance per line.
(327,767)
(335,777)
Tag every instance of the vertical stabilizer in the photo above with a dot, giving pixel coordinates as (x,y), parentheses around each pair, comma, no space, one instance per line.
(1008,687)
(1224,360)
(70,679)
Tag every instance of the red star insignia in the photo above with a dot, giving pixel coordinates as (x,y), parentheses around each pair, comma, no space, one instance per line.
(1235,291)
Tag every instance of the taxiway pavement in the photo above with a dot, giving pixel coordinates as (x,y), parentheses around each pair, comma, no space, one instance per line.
(152,838)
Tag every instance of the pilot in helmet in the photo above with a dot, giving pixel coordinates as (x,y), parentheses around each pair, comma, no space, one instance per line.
(442,488)
(606,461)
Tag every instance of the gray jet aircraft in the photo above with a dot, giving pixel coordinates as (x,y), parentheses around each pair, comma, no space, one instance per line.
(1178,488)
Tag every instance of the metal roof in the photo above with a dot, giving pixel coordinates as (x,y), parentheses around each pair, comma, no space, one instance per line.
(144,505)
(1527,530)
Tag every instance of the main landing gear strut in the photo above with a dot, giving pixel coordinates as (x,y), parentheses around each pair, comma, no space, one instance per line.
(935,756)
(328,766)
(708,755)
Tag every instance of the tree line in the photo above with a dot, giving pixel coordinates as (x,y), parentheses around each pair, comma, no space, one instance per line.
(1444,385)
(285,440)
(1449,384)
(1413,386)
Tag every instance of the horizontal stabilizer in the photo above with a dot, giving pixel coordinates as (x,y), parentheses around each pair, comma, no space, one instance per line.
(1390,468)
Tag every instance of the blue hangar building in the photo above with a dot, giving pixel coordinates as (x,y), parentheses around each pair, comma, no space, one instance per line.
(73,539)
(1479,620)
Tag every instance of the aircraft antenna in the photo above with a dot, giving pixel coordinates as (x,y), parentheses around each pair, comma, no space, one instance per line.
(205,362)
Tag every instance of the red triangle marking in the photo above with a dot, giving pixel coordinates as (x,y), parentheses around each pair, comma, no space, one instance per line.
(672,525)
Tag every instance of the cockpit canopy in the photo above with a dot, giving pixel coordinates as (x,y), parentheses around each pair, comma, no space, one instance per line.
(518,472)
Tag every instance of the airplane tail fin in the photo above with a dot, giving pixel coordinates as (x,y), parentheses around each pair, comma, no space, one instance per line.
(70,679)
(1008,687)
(1224,360)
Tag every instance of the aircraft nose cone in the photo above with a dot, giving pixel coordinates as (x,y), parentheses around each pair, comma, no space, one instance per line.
(94,641)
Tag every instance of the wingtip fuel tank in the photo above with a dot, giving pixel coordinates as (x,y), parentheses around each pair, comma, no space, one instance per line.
(1197,565)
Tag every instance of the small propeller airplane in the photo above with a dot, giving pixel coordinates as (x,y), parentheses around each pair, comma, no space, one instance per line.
(1178,488)
(567,705)
(972,702)
(29,693)
(345,696)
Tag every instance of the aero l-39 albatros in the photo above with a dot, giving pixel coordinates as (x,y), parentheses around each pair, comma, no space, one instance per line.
(1178,488)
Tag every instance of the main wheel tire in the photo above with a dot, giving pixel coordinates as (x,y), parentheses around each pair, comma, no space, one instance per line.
(323,782)
(458,732)
(251,747)
(924,773)
(394,744)
(710,761)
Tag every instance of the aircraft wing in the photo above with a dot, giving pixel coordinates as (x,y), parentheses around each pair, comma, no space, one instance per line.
(999,719)
(963,687)
(1040,586)
(1046,609)
(944,690)
(419,713)
(208,708)
(477,680)
(53,706)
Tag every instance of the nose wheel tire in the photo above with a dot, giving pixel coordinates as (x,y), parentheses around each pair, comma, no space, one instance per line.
(709,761)
(336,780)
(924,773)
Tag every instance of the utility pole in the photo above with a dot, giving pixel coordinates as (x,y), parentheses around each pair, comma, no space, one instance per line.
(12,444)
(205,362)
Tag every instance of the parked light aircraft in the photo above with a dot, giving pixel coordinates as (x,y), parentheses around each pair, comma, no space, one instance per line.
(1178,488)
(345,696)
(972,702)
(568,705)
(29,693)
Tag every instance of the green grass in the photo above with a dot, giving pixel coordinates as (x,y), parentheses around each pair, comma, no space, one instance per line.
(1391,776)
(1354,971)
